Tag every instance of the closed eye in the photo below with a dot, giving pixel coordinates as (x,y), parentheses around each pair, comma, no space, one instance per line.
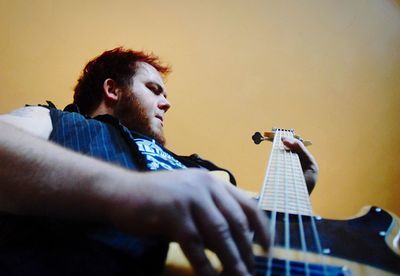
(155,88)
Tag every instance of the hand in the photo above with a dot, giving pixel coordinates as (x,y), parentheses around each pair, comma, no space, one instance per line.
(308,163)
(198,211)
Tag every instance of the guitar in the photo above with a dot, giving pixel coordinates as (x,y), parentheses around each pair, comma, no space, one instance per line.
(305,244)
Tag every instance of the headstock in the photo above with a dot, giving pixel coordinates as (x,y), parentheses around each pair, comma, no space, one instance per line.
(269,136)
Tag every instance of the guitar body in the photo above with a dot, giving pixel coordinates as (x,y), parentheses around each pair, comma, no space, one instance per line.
(304,244)
(361,244)
(366,245)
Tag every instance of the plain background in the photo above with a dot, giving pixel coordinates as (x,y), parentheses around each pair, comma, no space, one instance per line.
(329,69)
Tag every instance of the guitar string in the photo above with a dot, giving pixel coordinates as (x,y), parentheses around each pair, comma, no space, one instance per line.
(274,209)
(315,232)
(318,243)
(286,209)
(316,235)
(273,215)
(295,163)
(270,167)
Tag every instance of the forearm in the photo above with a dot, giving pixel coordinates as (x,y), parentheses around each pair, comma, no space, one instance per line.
(41,178)
(189,206)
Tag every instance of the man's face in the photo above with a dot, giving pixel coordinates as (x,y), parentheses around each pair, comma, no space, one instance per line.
(143,104)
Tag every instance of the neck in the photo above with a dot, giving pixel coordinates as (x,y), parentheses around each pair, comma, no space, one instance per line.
(102,109)
(284,187)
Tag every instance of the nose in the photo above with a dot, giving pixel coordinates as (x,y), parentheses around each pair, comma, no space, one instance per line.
(164,104)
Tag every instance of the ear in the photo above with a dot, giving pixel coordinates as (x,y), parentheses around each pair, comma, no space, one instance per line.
(110,90)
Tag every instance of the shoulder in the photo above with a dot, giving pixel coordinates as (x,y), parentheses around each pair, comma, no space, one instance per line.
(33,119)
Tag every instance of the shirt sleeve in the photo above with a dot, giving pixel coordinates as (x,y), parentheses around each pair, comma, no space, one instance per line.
(32,119)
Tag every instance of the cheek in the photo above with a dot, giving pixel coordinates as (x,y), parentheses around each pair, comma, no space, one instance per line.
(150,106)
(144,102)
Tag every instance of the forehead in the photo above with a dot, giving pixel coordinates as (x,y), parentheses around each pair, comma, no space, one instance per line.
(146,72)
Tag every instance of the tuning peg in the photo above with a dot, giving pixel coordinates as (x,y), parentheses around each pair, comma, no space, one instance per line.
(269,136)
(257,138)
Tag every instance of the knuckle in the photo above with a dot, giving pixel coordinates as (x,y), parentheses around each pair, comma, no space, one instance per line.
(198,179)
(251,203)
(297,144)
(243,225)
(222,230)
(250,206)
(190,237)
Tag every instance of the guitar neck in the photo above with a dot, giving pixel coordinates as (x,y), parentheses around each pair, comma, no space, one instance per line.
(284,189)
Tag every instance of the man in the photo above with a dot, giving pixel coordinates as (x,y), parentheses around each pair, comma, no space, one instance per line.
(87,205)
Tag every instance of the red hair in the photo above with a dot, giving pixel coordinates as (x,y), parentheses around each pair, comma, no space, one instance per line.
(118,64)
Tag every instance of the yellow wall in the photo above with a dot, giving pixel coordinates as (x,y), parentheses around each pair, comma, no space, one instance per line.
(329,69)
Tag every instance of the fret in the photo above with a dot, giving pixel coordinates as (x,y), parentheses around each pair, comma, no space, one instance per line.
(291,200)
(290,204)
(271,194)
(269,206)
(285,182)
(279,186)
(280,174)
(293,203)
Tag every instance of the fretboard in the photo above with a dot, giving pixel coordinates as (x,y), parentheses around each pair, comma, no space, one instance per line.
(284,188)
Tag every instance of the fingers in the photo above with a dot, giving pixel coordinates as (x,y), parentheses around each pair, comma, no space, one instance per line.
(218,234)
(257,219)
(193,248)
(238,224)
(307,160)
(203,212)
(297,146)
(224,220)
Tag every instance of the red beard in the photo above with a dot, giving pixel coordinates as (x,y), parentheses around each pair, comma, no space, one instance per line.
(132,115)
